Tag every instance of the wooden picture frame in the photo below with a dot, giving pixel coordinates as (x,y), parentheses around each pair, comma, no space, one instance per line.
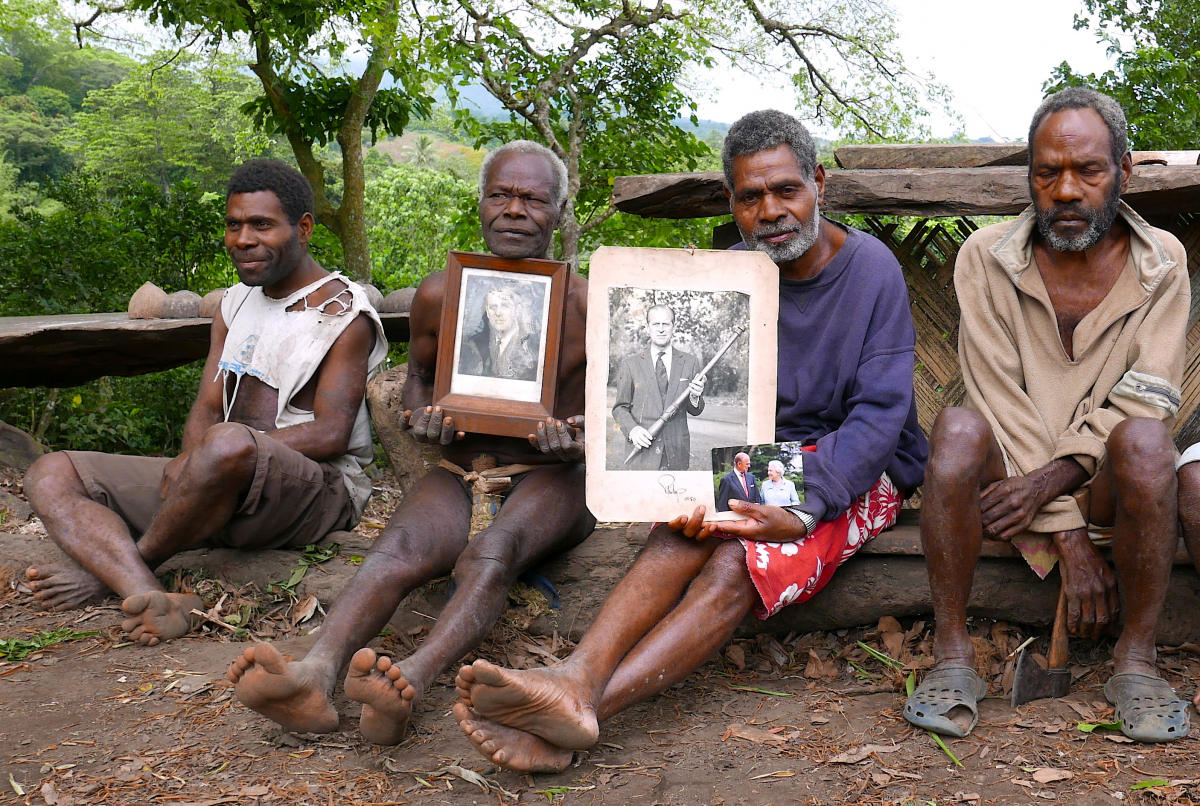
(488,382)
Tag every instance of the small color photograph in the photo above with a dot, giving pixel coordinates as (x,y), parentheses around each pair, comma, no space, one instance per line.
(770,474)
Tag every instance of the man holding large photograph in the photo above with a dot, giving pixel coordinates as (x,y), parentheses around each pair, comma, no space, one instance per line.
(846,357)
(522,189)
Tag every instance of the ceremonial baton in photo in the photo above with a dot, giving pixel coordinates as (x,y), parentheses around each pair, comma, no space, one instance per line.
(670,411)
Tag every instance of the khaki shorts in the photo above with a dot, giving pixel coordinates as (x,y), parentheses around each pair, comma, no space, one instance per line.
(292,501)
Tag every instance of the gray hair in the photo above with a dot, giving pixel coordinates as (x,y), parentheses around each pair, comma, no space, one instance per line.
(763,131)
(666,308)
(528,147)
(1086,98)
(775,464)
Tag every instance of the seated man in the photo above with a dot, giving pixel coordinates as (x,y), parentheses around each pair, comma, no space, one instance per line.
(523,188)
(1071,345)
(275,444)
(846,356)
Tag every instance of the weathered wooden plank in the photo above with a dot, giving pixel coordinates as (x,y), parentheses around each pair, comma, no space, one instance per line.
(926,192)
(71,349)
(930,155)
(970,155)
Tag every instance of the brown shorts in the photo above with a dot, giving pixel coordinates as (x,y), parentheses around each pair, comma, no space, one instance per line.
(292,501)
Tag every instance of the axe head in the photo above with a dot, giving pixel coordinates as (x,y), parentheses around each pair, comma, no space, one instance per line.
(1032,682)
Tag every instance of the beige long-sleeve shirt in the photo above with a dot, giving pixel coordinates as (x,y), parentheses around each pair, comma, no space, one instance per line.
(1041,404)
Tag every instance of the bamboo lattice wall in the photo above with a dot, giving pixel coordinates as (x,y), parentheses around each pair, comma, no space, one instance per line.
(927,253)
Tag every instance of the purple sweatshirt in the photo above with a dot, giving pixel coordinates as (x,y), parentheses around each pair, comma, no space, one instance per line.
(846,362)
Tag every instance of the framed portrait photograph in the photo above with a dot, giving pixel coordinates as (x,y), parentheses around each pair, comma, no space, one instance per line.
(681,360)
(499,342)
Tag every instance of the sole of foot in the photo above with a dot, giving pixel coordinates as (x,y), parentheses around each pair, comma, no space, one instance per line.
(59,587)
(386,696)
(510,748)
(159,616)
(294,695)
(539,701)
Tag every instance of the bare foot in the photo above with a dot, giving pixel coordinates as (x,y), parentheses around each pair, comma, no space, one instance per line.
(295,695)
(64,586)
(543,702)
(159,616)
(385,695)
(512,749)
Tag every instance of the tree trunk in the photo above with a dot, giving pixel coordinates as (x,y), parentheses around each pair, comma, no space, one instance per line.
(568,232)
(356,249)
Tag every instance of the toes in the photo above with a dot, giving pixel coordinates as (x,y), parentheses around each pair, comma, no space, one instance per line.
(462,715)
(136,604)
(363,662)
(268,657)
(488,745)
(466,676)
(487,673)
(384,664)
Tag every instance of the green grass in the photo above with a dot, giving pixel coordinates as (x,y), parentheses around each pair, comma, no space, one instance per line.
(13,649)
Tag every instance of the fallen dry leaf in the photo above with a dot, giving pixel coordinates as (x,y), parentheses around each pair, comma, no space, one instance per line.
(881,778)
(967,797)
(254,791)
(820,668)
(303,611)
(755,735)
(1047,775)
(855,756)
(1119,738)
(736,655)
(49,795)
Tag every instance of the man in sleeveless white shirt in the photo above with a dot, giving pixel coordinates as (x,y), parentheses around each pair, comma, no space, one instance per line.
(522,192)
(275,444)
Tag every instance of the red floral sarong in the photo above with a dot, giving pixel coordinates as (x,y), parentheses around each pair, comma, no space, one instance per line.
(786,573)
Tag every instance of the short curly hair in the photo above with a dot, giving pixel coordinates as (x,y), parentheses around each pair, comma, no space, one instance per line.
(557,166)
(288,185)
(763,131)
(1086,98)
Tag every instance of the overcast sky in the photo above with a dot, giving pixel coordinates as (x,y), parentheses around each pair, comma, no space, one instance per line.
(993,56)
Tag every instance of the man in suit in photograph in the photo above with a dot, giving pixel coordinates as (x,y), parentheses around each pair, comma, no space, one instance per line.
(647,383)
(738,484)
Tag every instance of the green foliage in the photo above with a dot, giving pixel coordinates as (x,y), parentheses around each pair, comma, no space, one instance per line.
(1157,48)
(415,217)
(14,649)
(175,117)
(141,415)
(92,254)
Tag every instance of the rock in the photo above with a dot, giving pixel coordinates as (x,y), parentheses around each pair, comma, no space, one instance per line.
(18,449)
(410,459)
(399,301)
(147,302)
(211,303)
(181,305)
(374,296)
(13,510)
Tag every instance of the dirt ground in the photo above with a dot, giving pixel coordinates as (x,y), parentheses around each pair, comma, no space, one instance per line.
(804,719)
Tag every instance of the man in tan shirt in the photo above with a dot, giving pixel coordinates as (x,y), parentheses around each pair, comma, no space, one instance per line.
(1072,349)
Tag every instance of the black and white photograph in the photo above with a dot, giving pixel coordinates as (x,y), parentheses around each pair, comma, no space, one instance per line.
(500,344)
(682,355)
(771,474)
(678,376)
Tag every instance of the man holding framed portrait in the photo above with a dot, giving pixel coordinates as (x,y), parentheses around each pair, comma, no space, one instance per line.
(531,485)
(845,362)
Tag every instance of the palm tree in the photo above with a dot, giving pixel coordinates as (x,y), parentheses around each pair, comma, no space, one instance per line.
(421,153)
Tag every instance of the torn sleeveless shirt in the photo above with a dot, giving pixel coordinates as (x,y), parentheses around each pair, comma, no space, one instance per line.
(283,349)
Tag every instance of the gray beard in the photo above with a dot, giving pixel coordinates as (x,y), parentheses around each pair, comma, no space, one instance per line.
(789,250)
(1099,222)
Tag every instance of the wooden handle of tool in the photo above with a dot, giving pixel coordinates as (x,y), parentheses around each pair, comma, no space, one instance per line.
(1058,638)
